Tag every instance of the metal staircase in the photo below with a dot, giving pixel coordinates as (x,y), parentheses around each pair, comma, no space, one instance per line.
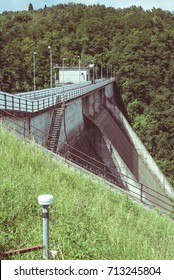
(55,127)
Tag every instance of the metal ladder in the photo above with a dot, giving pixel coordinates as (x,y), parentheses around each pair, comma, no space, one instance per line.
(55,127)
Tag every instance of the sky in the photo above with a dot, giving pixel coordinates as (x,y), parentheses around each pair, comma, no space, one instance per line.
(20,5)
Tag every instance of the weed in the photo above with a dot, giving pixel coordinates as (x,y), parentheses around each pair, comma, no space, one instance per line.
(87,220)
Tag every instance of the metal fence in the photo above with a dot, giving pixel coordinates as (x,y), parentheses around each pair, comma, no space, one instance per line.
(15,102)
(136,189)
(46,92)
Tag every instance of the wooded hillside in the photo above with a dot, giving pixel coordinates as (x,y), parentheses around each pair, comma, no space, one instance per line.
(137,46)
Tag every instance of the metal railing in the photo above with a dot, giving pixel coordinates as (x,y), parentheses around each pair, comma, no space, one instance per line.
(136,189)
(47,92)
(14,102)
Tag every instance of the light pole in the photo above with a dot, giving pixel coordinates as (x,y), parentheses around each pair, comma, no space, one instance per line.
(79,72)
(34,66)
(55,77)
(111,71)
(63,70)
(101,71)
(93,70)
(96,72)
(51,71)
(114,72)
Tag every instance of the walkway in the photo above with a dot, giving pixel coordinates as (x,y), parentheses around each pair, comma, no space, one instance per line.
(32,102)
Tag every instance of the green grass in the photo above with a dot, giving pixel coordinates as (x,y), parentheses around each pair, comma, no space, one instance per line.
(87,219)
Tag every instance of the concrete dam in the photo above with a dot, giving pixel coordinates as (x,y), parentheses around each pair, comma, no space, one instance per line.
(84,124)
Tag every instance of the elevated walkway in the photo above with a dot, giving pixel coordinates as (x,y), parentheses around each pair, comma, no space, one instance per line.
(33,102)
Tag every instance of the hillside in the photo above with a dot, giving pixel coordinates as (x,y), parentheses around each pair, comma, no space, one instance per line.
(87,219)
(133,45)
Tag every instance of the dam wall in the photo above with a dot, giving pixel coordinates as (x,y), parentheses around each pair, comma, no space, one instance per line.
(95,129)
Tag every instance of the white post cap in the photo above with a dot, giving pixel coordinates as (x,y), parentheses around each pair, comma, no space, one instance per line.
(45,199)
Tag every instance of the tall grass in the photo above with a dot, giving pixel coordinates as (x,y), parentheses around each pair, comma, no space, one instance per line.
(87,220)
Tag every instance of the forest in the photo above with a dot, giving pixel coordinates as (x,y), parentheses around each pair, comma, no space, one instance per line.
(133,45)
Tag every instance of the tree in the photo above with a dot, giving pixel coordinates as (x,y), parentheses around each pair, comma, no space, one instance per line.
(138,44)
(30,7)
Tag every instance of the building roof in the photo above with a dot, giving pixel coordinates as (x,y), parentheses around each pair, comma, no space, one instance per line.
(72,68)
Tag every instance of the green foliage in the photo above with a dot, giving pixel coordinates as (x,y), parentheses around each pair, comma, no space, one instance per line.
(30,7)
(87,219)
(138,44)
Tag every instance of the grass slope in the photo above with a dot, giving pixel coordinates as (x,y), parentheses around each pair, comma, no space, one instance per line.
(87,220)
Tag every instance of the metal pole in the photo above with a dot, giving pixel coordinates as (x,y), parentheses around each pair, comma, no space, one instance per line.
(55,76)
(63,73)
(93,70)
(93,75)
(45,220)
(101,71)
(45,201)
(20,251)
(51,71)
(114,72)
(34,65)
(79,74)
(141,193)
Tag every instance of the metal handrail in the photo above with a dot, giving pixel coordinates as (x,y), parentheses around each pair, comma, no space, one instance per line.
(92,165)
(46,92)
(48,135)
(16,103)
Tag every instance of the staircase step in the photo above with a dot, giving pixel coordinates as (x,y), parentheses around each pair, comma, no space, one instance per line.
(56,126)
(55,130)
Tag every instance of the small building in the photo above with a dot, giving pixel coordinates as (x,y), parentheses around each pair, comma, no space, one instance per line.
(73,74)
